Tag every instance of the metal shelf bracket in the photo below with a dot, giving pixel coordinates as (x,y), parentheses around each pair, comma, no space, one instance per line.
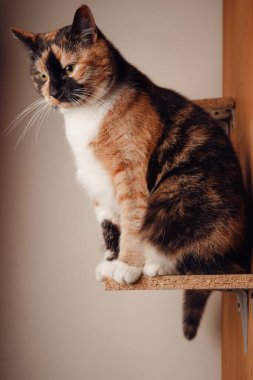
(242,305)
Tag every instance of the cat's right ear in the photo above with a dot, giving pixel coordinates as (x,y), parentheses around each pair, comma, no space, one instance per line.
(28,39)
(83,25)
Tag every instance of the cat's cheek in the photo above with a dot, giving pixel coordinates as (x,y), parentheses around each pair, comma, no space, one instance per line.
(45,91)
(118,271)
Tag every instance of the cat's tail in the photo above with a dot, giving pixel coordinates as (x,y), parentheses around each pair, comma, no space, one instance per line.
(193,308)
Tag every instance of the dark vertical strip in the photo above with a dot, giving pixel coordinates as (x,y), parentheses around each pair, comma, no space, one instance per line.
(111,235)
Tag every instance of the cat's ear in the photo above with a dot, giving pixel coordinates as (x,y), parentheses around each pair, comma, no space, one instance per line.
(84,25)
(28,39)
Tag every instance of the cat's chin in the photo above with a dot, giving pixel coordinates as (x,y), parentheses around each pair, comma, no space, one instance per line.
(62,107)
(57,104)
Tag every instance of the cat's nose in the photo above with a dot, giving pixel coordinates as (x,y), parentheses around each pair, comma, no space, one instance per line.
(54,92)
(54,89)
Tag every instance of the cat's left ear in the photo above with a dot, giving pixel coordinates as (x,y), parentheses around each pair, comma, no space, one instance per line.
(28,39)
(84,26)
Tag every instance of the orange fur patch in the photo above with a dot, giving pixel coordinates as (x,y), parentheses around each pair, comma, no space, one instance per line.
(130,130)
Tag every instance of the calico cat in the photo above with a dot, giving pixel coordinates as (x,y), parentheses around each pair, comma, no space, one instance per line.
(162,175)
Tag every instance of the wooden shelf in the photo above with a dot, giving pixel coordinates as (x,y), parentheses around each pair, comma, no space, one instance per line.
(221,109)
(215,103)
(218,282)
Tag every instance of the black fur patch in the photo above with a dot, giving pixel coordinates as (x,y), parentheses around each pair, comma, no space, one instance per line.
(111,235)
(217,264)
(61,86)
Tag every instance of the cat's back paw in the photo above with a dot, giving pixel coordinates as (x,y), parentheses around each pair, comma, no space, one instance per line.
(118,271)
(157,264)
(152,269)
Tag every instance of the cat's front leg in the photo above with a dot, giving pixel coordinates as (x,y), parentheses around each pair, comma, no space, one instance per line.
(132,198)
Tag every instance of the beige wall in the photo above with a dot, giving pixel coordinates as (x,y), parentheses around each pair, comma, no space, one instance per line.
(57,323)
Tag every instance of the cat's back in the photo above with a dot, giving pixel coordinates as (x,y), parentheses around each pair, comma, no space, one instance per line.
(190,142)
(197,195)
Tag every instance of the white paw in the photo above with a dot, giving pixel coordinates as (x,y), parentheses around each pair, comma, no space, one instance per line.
(153,269)
(157,264)
(118,271)
(104,269)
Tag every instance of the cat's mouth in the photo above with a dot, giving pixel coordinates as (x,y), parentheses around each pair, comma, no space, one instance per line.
(56,103)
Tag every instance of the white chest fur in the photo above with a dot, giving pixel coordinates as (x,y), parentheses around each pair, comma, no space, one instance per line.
(81,127)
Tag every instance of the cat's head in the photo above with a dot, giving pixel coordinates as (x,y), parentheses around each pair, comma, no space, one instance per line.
(70,66)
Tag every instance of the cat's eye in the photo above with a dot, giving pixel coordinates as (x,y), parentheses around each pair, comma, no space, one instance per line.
(69,69)
(43,76)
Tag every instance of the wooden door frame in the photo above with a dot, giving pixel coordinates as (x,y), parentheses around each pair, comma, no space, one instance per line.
(238,83)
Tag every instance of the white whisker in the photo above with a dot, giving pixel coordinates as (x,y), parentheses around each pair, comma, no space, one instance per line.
(22,115)
(31,122)
(44,118)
